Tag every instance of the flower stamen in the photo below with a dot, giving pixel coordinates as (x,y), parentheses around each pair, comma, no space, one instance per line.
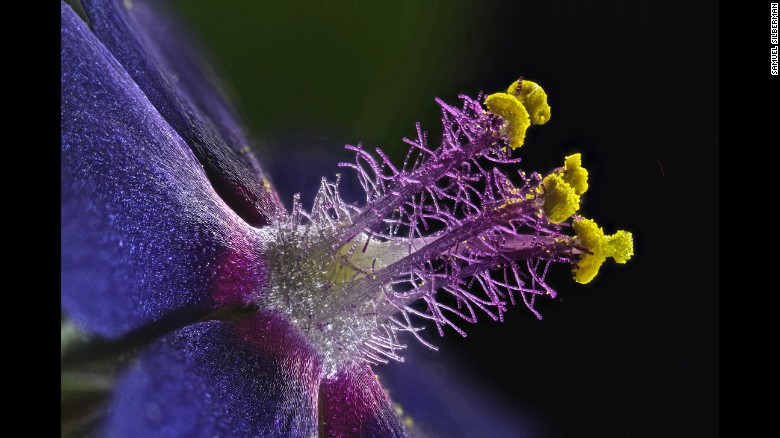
(447,229)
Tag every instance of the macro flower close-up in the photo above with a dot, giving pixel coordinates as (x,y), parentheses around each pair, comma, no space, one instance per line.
(203,295)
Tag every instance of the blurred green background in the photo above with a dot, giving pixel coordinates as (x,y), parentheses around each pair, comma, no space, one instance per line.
(309,76)
(359,69)
(632,85)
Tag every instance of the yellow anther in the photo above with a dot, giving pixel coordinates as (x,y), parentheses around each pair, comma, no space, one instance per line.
(574,174)
(619,246)
(534,99)
(560,199)
(512,111)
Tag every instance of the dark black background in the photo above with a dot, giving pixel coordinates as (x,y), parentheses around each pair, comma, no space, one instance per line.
(633,86)
(634,353)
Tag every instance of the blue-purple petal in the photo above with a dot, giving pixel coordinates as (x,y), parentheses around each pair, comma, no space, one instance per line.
(179,84)
(442,399)
(252,378)
(354,404)
(145,238)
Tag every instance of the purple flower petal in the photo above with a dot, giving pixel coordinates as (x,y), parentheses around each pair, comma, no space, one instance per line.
(442,399)
(252,378)
(171,73)
(354,404)
(145,238)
